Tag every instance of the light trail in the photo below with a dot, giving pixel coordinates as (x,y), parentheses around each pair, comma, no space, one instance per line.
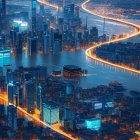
(89,54)
(89,51)
(48,4)
(39,121)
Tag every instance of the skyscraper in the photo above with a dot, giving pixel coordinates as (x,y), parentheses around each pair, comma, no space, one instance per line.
(38,97)
(11,88)
(94,34)
(32,45)
(30,96)
(33,26)
(12,116)
(4,7)
(21,96)
(4,56)
(46,44)
(3,15)
(50,113)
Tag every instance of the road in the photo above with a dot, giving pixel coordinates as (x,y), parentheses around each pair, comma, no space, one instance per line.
(33,117)
(90,51)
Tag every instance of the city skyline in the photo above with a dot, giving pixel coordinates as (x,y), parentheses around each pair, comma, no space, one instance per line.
(69,70)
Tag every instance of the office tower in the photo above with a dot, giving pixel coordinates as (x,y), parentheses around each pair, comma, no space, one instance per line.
(69,114)
(69,11)
(4,7)
(11,88)
(94,34)
(51,37)
(4,56)
(13,36)
(1,71)
(38,97)
(69,89)
(33,26)
(2,110)
(77,11)
(42,72)
(32,45)
(28,76)
(57,43)
(12,116)
(2,40)
(42,10)
(3,15)
(64,4)
(57,47)
(30,93)
(19,43)
(46,28)
(50,113)
(9,76)
(21,96)
(46,44)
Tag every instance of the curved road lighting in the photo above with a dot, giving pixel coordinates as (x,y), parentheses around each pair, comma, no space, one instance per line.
(89,51)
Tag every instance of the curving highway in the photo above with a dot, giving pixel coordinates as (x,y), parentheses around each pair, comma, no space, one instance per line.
(89,51)
(35,118)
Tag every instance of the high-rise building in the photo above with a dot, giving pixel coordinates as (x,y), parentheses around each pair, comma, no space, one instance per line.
(30,93)
(42,10)
(69,89)
(32,45)
(12,116)
(56,47)
(21,96)
(50,113)
(11,88)
(38,97)
(13,37)
(4,7)
(94,34)
(33,26)
(3,15)
(2,110)
(46,44)
(4,56)
(19,43)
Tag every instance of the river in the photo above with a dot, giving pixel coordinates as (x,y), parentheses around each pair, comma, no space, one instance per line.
(98,73)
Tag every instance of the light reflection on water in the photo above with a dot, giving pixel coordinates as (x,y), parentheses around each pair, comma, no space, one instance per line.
(100,73)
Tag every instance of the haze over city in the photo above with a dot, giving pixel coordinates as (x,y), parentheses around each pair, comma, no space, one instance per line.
(69,70)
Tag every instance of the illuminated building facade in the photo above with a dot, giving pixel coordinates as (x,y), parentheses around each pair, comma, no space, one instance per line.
(21,96)
(3,15)
(33,26)
(50,113)
(38,97)
(12,116)
(4,56)
(93,124)
(11,88)
(30,93)
(32,44)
